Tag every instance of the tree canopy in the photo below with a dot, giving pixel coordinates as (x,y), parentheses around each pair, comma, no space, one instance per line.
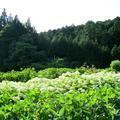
(94,43)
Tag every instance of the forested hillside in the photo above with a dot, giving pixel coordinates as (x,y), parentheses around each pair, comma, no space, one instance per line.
(94,43)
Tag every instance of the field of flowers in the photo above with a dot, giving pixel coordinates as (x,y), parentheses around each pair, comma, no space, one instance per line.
(69,96)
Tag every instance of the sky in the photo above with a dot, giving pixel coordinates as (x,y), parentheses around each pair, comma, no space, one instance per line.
(53,14)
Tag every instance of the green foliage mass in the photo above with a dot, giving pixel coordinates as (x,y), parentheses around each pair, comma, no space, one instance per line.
(28,73)
(23,75)
(94,43)
(115,65)
(71,96)
(53,72)
(59,93)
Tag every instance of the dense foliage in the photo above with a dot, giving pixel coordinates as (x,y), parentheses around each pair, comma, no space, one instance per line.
(29,73)
(71,96)
(59,93)
(115,65)
(23,75)
(95,43)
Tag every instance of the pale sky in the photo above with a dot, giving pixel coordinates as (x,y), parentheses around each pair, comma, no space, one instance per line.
(53,14)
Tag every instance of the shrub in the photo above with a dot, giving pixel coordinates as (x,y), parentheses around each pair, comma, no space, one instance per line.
(87,70)
(70,97)
(52,73)
(56,63)
(23,75)
(38,66)
(115,65)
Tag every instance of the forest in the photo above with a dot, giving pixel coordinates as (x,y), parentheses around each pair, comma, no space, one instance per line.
(93,44)
(71,73)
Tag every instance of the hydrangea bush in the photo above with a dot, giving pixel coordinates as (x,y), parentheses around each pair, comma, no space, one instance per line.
(71,96)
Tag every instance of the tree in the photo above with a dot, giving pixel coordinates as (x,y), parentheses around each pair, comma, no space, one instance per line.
(21,55)
(4,18)
(28,26)
(115,52)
